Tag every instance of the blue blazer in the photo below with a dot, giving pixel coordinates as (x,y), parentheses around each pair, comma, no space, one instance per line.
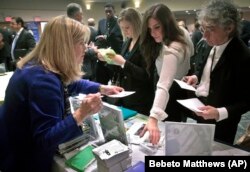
(31,119)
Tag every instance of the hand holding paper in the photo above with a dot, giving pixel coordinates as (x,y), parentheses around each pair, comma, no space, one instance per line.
(193,104)
(184,85)
(107,54)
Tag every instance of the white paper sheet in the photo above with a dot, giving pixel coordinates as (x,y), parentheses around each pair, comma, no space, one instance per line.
(122,94)
(193,104)
(184,85)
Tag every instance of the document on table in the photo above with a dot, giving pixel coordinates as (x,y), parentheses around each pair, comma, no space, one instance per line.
(184,85)
(122,94)
(193,104)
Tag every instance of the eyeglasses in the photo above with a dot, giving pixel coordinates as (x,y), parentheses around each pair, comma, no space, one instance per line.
(209,28)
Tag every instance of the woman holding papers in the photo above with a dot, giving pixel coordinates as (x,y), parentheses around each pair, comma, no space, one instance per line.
(169,48)
(132,74)
(35,117)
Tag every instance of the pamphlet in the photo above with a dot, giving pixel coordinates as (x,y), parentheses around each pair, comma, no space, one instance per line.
(193,104)
(122,94)
(184,85)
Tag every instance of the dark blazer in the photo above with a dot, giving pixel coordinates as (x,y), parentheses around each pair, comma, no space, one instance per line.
(245,32)
(133,77)
(104,71)
(228,88)
(114,37)
(25,41)
(90,58)
(93,34)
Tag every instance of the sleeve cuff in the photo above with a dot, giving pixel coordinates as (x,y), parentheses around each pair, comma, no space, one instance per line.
(158,114)
(223,114)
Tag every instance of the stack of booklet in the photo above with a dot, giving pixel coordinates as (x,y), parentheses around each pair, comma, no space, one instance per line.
(112,156)
(88,127)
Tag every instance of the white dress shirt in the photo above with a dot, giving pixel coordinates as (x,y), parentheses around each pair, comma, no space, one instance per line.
(203,87)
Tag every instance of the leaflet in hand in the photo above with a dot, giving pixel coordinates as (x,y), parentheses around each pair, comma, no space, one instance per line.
(122,94)
(107,54)
(193,104)
(184,85)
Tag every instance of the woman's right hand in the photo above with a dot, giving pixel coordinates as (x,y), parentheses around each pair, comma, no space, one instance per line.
(90,105)
(190,80)
(152,128)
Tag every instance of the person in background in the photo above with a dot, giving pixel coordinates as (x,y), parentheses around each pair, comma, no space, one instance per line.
(168,47)
(5,49)
(132,74)
(109,31)
(91,22)
(245,29)
(198,46)
(197,35)
(74,11)
(108,35)
(23,42)
(2,58)
(221,75)
(181,23)
(35,116)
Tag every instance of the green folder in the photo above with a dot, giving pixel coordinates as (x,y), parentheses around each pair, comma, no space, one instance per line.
(82,159)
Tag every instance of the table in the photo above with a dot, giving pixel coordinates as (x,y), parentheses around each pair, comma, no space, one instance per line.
(4,80)
(138,155)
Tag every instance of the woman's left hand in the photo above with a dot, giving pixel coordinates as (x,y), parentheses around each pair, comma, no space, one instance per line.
(208,112)
(110,89)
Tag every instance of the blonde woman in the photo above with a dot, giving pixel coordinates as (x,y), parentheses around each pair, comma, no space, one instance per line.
(131,73)
(35,117)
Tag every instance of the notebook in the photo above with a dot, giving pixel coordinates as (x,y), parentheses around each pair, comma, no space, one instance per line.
(82,159)
(188,138)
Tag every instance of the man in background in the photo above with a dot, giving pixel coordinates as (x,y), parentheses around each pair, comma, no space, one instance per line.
(91,22)
(74,11)
(109,35)
(245,30)
(22,43)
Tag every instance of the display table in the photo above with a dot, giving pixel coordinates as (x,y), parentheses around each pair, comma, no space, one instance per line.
(4,80)
(218,149)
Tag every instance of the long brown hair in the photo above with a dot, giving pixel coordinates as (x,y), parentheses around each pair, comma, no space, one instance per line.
(151,49)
